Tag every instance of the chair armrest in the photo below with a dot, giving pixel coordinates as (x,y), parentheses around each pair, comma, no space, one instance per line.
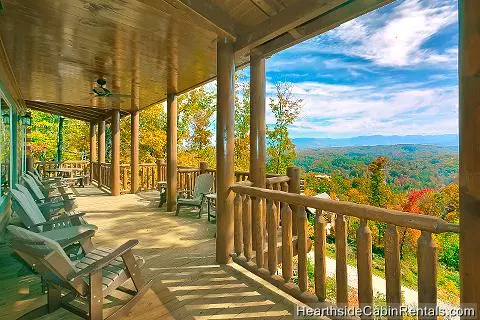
(184,192)
(59,219)
(53,199)
(100,264)
(81,236)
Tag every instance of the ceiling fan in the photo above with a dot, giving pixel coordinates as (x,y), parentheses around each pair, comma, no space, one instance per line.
(102,91)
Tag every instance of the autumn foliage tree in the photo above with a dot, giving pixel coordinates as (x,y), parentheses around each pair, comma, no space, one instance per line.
(378,190)
(286,108)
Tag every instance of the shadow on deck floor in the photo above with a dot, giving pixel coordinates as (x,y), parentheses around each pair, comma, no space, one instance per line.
(180,257)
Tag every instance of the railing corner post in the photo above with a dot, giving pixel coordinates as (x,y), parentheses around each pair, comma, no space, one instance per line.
(294,187)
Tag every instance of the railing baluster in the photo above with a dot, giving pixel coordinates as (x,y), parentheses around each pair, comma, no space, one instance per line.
(247,228)
(258,229)
(125,177)
(237,236)
(302,248)
(364,264)
(272,236)
(320,256)
(392,267)
(427,271)
(341,275)
(287,245)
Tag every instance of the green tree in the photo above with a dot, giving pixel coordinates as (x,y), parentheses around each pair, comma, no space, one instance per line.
(43,135)
(286,108)
(242,124)
(76,139)
(195,115)
(378,189)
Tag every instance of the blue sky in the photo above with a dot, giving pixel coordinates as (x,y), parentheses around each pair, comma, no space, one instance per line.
(390,72)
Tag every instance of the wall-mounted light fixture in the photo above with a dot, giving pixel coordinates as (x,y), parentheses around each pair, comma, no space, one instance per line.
(26,119)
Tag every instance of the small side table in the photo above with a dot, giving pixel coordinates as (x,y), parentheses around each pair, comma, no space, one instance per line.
(211,204)
(162,187)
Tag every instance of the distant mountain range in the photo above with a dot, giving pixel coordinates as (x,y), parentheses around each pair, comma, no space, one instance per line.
(444,140)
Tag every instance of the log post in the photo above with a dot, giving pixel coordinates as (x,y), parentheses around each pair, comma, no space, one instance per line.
(257,121)
(225,149)
(134,149)
(469,114)
(101,150)
(115,169)
(294,187)
(171,152)
(257,129)
(93,147)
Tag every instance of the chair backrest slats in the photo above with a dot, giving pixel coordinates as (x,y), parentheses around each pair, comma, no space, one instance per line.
(203,185)
(34,188)
(28,213)
(35,178)
(48,256)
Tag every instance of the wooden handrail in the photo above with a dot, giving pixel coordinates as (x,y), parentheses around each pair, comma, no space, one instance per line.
(277,179)
(398,218)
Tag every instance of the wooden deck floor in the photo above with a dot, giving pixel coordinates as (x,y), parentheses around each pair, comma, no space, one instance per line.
(179,254)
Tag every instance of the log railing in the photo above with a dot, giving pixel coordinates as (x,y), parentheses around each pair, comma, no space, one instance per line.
(42,167)
(105,175)
(125,179)
(95,170)
(263,253)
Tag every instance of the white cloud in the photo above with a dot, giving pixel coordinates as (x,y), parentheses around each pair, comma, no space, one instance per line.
(342,111)
(398,42)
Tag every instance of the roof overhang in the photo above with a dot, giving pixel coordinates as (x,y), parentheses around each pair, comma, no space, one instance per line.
(58,49)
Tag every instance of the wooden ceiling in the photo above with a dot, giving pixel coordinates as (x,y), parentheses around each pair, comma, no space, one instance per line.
(57,49)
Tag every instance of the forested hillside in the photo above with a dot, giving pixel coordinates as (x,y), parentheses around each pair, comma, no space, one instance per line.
(408,167)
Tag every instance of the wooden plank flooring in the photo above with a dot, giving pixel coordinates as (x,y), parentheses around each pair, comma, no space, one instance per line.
(180,258)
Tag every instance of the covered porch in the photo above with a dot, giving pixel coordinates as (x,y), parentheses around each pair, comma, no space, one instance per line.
(179,254)
(261,220)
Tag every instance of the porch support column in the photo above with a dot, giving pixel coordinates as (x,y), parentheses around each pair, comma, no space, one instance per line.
(101,149)
(225,146)
(115,169)
(135,124)
(93,147)
(171,152)
(469,117)
(257,121)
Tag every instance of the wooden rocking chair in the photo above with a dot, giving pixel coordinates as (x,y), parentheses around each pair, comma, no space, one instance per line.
(88,280)
(203,186)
